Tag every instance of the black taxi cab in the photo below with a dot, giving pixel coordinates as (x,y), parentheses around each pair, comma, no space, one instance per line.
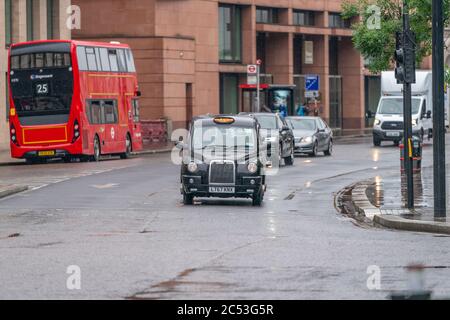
(221,158)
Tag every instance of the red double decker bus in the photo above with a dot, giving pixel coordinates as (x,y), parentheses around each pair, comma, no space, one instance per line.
(73,99)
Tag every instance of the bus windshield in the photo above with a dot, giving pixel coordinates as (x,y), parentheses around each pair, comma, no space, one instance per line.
(41,79)
(395,106)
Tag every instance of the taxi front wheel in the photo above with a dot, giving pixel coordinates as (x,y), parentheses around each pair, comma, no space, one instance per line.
(188,199)
(258,199)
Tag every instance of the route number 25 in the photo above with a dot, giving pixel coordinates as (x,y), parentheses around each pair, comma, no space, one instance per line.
(42,88)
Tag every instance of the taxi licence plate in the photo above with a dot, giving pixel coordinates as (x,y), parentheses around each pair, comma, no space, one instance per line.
(46,153)
(221,189)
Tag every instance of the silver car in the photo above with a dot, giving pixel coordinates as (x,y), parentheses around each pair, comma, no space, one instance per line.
(312,135)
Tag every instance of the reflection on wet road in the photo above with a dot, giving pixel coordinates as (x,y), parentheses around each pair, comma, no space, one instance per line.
(123,224)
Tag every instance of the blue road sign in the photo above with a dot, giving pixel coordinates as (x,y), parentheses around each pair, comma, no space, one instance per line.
(312,83)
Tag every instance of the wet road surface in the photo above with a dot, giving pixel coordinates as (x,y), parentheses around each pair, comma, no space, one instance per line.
(123,224)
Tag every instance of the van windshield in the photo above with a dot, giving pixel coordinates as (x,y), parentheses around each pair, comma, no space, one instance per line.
(395,106)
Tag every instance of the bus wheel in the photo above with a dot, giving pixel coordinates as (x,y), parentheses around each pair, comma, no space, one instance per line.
(97,151)
(128,148)
(31,161)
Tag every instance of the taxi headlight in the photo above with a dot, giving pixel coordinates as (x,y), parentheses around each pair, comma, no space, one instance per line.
(192,167)
(377,122)
(308,139)
(252,167)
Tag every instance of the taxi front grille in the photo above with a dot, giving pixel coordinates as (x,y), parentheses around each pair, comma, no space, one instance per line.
(221,172)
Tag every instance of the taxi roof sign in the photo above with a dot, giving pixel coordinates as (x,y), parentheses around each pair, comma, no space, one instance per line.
(224,120)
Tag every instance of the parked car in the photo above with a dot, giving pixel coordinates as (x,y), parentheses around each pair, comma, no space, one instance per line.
(312,135)
(221,158)
(278,137)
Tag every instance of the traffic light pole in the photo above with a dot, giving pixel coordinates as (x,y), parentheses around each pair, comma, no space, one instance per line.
(439,175)
(407,117)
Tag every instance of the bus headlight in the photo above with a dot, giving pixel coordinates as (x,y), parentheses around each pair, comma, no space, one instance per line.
(192,167)
(252,167)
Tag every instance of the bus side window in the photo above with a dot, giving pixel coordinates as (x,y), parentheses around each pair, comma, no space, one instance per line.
(135,104)
(121,60)
(91,60)
(130,61)
(82,62)
(104,59)
(110,111)
(94,112)
(113,60)
(97,56)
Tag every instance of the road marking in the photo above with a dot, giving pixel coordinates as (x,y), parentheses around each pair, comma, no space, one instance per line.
(105,186)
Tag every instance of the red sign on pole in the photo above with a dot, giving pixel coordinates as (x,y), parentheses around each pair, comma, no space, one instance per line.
(252,69)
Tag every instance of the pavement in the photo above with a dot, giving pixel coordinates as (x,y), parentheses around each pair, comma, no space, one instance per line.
(382,201)
(123,224)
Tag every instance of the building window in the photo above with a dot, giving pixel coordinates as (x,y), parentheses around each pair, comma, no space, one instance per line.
(333,54)
(304,18)
(230,33)
(30,23)
(298,55)
(266,15)
(261,50)
(335,20)
(52,19)
(8,22)
(229,93)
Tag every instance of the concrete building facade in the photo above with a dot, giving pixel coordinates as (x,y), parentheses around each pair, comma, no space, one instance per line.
(191,55)
(23,20)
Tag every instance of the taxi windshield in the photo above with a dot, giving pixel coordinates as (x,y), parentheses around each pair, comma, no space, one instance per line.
(223,137)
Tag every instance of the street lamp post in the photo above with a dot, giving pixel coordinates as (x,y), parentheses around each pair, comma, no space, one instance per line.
(438,112)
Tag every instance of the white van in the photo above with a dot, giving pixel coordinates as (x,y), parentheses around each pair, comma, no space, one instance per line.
(388,124)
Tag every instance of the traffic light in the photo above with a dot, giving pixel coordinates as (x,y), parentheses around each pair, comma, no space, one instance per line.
(405,57)
(410,57)
(399,58)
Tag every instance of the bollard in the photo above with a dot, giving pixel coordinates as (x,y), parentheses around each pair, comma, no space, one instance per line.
(416,144)
(415,285)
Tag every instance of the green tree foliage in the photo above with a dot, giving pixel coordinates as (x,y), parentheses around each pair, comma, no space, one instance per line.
(377,45)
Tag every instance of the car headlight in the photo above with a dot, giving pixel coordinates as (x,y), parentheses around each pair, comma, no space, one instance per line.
(192,167)
(252,167)
(377,122)
(308,139)
(414,122)
(271,139)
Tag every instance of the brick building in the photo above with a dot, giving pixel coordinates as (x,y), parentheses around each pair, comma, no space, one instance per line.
(22,20)
(192,54)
